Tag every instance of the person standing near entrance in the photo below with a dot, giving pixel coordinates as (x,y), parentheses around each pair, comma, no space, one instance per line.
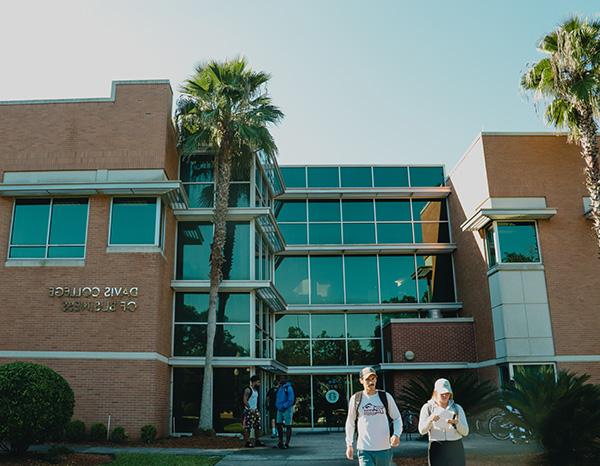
(446,424)
(251,414)
(284,402)
(271,400)
(373,414)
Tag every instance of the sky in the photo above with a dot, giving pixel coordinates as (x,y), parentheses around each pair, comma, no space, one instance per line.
(378,81)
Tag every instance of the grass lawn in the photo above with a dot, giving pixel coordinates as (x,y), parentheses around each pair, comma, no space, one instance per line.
(151,459)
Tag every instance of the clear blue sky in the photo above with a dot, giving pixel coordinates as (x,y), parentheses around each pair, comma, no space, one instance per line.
(359,81)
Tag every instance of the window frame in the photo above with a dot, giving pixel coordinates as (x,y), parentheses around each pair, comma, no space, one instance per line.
(157,223)
(47,244)
(498,249)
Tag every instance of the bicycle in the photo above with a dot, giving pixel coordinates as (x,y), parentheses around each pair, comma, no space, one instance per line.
(501,427)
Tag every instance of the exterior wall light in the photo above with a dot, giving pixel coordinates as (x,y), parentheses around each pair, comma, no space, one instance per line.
(409,355)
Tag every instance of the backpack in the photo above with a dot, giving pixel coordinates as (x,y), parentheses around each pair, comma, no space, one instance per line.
(384,400)
(285,397)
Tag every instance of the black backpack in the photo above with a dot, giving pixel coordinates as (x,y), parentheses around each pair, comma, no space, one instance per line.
(384,401)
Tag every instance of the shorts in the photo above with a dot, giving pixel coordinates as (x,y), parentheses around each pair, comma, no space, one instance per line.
(285,417)
(375,458)
(250,419)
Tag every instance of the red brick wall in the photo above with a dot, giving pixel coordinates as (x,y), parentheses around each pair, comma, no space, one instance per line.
(546,166)
(431,342)
(38,322)
(134,393)
(134,131)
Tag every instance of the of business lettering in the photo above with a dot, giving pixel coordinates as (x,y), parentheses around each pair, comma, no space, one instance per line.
(96,299)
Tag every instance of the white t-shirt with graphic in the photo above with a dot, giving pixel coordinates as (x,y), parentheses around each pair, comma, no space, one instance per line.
(373,430)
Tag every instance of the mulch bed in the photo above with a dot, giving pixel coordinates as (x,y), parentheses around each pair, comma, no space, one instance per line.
(74,459)
(200,441)
(483,460)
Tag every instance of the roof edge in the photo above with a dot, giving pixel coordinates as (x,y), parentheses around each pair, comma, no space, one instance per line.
(113,93)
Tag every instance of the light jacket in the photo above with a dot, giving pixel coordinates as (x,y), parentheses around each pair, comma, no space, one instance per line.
(441,430)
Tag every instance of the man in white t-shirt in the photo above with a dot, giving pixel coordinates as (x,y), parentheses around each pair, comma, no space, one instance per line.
(374,414)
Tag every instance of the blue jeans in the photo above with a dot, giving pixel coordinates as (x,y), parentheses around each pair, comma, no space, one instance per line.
(375,458)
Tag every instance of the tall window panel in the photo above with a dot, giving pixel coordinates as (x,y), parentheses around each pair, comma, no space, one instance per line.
(49,228)
(232,337)
(135,221)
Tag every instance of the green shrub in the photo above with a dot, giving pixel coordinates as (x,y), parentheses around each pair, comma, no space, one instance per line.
(473,395)
(36,404)
(118,435)
(75,431)
(562,413)
(98,432)
(148,433)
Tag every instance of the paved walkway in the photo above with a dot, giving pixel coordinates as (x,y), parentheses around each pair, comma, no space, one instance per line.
(326,449)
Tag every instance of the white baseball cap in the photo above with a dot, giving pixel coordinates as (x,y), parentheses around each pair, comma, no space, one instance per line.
(366,372)
(442,386)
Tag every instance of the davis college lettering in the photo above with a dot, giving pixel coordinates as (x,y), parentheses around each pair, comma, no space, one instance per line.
(91,298)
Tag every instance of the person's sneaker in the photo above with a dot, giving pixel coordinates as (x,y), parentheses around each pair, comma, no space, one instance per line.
(249,445)
(258,443)
(286,446)
(280,446)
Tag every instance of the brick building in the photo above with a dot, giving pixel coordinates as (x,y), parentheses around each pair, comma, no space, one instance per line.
(106,236)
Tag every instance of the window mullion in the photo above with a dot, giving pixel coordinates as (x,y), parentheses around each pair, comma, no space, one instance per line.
(51,207)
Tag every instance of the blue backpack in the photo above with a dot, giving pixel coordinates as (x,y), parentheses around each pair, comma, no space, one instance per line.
(285,397)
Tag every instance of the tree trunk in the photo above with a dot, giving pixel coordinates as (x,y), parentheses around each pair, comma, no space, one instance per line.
(223,166)
(589,153)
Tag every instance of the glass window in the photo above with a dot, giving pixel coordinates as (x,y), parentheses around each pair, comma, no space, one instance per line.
(394,211)
(363,325)
(197,168)
(239,195)
(240,169)
(291,279)
(293,352)
(357,211)
(294,177)
(426,176)
(326,412)
(324,211)
(290,211)
(361,279)
(325,233)
(189,340)
(390,177)
(200,195)
(364,352)
(191,307)
(356,177)
(326,280)
(397,274)
(432,233)
(359,233)
(232,340)
(292,326)
(392,233)
(328,326)
(429,211)
(294,233)
(491,246)
(49,228)
(237,246)
(518,242)
(233,307)
(193,250)
(133,221)
(436,279)
(327,352)
(323,177)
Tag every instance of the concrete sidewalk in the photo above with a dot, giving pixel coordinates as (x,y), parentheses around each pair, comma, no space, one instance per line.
(324,448)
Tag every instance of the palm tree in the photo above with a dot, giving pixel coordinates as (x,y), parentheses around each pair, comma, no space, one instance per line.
(225,111)
(569,80)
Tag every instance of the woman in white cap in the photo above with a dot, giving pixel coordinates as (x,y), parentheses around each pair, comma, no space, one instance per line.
(446,424)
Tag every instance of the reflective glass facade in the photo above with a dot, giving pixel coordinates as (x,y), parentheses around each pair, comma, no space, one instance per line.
(323,289)
(364,221)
